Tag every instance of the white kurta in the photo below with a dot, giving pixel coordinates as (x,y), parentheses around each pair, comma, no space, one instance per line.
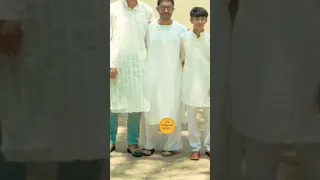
(196,71)
(128,54)
(196,85)
(164,62)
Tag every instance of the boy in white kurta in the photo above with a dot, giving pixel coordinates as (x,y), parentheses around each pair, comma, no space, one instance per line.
(164,63)
(196,79)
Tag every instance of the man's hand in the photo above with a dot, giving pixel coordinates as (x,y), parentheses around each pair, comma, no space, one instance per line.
(113,73)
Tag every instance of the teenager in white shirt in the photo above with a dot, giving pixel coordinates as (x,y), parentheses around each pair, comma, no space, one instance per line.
(196,79)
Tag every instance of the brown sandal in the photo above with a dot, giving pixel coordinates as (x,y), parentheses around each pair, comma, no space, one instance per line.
(195,156)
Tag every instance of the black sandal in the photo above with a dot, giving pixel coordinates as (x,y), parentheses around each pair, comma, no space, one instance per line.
(112,147)
(148,152)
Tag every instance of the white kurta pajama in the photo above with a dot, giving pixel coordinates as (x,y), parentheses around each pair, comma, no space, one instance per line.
(128,54)
(196,85)
(164,62)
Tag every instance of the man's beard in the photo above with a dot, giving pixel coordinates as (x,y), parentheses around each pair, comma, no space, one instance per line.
(165,17)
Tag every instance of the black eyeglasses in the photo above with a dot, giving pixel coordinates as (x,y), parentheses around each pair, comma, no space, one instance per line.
(163,8)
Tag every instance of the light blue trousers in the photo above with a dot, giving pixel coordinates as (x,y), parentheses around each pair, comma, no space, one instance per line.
(133,127)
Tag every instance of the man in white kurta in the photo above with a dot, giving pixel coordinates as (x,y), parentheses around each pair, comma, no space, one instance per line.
(164,62)
(129,20)
(196,79)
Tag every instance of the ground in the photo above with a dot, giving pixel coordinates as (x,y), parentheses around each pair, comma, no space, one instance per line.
(123,166)
(178,167)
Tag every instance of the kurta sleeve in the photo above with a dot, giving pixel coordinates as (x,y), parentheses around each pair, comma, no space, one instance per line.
(9,10)
(225,159)
(112,47)
(151,19)
(146,39)
(206,48)
(151,16)
(182,50)
(207,52)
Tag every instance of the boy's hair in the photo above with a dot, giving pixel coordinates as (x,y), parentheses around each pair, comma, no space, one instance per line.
(198,12)
(159,2)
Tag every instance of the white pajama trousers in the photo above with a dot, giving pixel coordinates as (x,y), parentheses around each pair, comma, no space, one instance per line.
(193,128)
(152,138)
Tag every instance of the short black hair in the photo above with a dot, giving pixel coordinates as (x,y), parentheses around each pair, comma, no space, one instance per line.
(198,12)
(159,2)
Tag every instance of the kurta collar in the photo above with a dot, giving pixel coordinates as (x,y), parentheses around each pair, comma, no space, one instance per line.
(125,4)
(201,34)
